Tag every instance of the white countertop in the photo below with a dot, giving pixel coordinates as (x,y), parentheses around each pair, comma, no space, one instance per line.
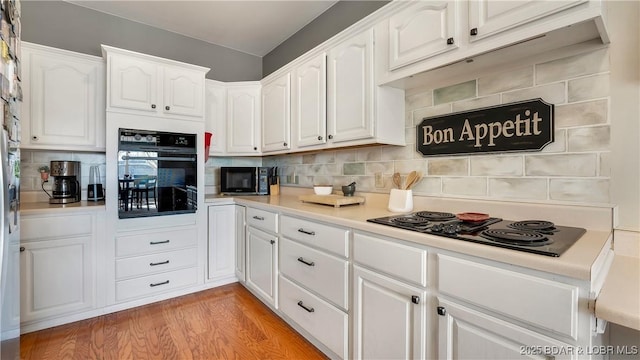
(577,262)
(37,208)
(619,299)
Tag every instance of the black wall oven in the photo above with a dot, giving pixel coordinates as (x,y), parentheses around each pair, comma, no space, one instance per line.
(157,173)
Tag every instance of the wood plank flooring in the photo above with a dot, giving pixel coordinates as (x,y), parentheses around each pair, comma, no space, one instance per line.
(227,322)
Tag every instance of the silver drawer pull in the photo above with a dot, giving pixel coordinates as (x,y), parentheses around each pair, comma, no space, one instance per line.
(258,218)
(301,304)
(159,263)
(159,242)
(313,233)
(160,283)
(306,262)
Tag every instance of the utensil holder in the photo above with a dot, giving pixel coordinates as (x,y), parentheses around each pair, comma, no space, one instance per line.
(274,189)
(400,200)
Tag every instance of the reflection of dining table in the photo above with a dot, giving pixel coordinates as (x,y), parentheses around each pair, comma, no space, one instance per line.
(125,189)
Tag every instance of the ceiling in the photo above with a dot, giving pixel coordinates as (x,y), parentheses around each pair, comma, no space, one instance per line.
(253,27)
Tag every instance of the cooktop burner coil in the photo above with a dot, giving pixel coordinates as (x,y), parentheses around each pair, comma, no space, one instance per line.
(410,220)
(525,238)
(533,225)
(435,216)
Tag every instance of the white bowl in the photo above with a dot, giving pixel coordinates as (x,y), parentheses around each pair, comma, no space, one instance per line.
(322,189)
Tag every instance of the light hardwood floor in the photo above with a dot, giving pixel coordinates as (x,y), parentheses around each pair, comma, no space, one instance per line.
(222,323)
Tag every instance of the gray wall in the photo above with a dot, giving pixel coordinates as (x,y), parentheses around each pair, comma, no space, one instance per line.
(66,26)
(337,18)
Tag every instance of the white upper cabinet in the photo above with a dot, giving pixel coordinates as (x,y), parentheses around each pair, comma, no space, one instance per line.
(243,118)
(215,115)
(425,29)
(63,106)
(148,85)
(276,114)
(489,17)
(309,102)
(350,89)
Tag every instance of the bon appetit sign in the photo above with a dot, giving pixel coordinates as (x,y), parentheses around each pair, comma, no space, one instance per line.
(520,126)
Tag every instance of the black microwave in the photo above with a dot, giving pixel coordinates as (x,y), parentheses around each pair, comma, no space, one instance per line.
(246,180)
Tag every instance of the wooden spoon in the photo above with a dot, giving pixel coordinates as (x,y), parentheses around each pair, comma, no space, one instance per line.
(397,180)
(411,179)
(414,181)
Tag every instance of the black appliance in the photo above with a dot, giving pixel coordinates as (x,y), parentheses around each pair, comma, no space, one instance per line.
(246,180)
(534,236)
(157,172)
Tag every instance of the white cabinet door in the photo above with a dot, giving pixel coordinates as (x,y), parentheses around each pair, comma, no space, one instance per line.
(262,264)
(464,333)
(423,30)
(133,84)
(63,100)
(389,318)
(240,242)
(215,115)
(490,17)
(350,89)
(276,114)
(222,231)
(243,119)
(183,92)
(56,277)
(309,102)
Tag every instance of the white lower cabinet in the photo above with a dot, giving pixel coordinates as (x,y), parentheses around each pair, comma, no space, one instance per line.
(464,333)
(389,317)
(57,265)
(261,264)
(240,237)
(221,244)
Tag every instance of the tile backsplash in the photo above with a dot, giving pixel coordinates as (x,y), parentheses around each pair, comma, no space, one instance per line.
(573,169)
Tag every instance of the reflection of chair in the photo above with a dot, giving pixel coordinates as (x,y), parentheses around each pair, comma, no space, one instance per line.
(144,186)
(124,194)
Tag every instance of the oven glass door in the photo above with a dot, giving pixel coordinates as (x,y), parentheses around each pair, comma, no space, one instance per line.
(156,183)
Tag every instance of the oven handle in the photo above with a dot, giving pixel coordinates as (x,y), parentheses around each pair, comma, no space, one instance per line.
(162,158)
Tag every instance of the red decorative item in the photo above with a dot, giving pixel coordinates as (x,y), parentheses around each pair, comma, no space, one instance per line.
(472,217)
(207,145)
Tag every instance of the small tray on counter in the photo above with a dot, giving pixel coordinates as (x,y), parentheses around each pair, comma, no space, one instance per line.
(332,199)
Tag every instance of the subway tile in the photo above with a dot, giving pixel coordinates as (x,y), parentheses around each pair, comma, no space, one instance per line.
(343,156)
(385,167)
(90,158)
(418,100)
(397,153)
(353,168)
(505,81)
(477,103)
(518,188)
(497,165)
(45,157)
(410,136)
(369,154)
(552,93)
(559,143)
(431,185)
(579,65)
(561,165)
(324,169)
(448,166)
(580,190)
(319,158)
(406,166)
(438,110)
(455,92)
(580,114)
(246,161)
(587,88)
(589,138)
(605,164)
(468,186)
(321,180)
(408,118)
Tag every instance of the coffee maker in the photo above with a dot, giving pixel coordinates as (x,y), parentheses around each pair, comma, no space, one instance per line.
(66,187)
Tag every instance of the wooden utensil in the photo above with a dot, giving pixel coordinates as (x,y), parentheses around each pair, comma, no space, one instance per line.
(397,181)
(411,179)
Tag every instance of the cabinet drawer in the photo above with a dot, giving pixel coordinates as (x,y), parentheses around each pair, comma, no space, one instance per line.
(155,284)
(323,321)
(544,303)
(262,219)
(153,242)
(55,226)
(325,274)
(404,262)
(330,238)
(155,263)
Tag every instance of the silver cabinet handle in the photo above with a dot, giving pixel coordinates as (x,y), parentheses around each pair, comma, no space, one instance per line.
(159,263)
(258,218)
(302,260)
(301,304)
(159,242)
(160,283)
(312,233)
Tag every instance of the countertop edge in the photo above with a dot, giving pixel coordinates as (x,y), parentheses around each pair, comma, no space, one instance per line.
(619,299)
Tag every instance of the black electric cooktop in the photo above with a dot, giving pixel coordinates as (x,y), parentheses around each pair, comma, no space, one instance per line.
(533,236)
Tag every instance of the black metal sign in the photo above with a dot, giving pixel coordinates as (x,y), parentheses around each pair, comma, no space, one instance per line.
(519,126)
